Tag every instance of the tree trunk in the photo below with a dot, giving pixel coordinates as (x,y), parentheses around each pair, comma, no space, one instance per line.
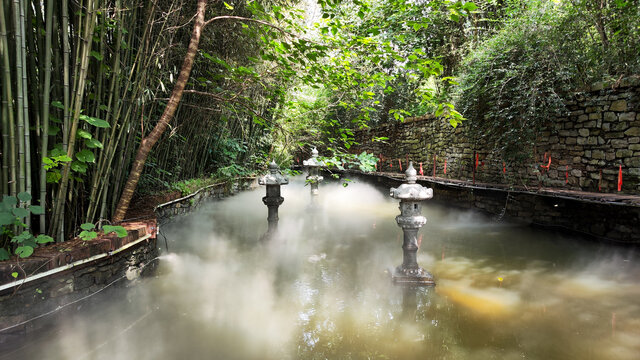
(148,142)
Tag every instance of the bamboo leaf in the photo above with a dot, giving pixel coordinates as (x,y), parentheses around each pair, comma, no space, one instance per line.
(96,55)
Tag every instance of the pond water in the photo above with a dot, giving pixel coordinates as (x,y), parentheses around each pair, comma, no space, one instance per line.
(322,289)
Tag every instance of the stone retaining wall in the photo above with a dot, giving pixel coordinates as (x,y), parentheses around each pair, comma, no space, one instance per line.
(190,202)
(586,147)
(30,299)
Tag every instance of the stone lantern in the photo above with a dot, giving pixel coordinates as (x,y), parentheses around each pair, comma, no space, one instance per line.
(411,220)
(273,200)
(313,165)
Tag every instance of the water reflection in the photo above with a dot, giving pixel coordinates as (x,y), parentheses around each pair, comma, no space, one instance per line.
(324,291)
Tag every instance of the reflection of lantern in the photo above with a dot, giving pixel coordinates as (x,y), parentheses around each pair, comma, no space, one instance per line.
(411,220)
(313,165)
(273,200)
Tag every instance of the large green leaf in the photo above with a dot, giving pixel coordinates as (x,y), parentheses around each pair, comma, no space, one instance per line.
(20,212)
(87,226)
(93,143)
(95,121)
(84,134)
(88,235)
(86,156)
(36,209)
(6,218)
(43,239)
(24,236)
(4,254)
(119,230)
(24,196)
(78,166)
(24,251)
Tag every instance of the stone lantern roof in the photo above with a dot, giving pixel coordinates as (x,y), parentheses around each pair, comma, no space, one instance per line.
(274,177)
(410,191)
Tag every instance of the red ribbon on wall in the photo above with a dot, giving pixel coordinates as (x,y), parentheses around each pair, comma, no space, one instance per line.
(477,156)
(434,164)
(620,178)
(600,182)
(547,166)
(566,175)
(445,166)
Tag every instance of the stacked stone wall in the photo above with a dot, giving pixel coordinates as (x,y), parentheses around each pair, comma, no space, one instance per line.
(600,133)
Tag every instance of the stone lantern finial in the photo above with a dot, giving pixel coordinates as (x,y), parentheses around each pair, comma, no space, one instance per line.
(411,174)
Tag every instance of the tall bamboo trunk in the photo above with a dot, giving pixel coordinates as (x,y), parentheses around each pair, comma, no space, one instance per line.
(149,141)
(87,38)
(8,121)
(19,97)
(45,111)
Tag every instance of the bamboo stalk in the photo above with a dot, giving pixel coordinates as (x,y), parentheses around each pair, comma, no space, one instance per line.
(8,121)
(80,87)
(25,105)
(19,96)
(45,111)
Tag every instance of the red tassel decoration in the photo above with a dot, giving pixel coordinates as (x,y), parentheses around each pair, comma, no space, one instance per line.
(600,182)
(566,175)
(400,164)
(445,166)
(421,172)
(620,178)
(504,168)
(434,165)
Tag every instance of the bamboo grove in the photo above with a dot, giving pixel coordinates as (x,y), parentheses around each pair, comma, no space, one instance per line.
(84,81)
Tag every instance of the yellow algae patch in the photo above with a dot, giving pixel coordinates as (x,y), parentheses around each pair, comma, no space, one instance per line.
(490,301)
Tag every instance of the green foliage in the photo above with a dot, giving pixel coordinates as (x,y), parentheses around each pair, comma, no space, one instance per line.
(87,232)
(119,230)
(515,82)
(14,234)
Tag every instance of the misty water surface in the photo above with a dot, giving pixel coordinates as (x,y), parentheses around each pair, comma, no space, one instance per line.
(321,290)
